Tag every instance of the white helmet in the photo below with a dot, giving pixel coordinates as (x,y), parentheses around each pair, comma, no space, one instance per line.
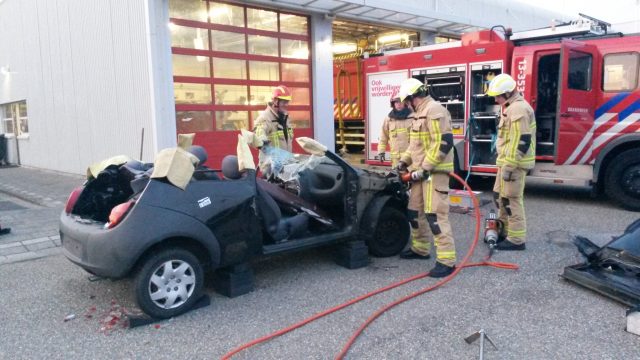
(410,87)
(501,84)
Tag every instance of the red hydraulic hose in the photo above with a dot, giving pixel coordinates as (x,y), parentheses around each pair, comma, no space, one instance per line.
(324,313)
(464,263)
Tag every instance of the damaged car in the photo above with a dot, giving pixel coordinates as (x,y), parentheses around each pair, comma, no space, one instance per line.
(612,270)
(124,221)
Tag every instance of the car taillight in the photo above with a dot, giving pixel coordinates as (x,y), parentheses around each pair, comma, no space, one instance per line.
(118,213)
(73,198)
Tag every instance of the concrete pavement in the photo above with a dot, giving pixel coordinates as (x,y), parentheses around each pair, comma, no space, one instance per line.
(30,203)
(530,314)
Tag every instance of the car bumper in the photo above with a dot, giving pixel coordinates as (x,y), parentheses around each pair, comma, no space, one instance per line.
(94,248)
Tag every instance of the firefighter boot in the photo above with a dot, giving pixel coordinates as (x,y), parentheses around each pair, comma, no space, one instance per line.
(507,245)
(441,270)
(410,255)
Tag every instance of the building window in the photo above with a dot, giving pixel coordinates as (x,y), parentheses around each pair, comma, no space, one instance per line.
(579,77)
(227,58)
(15,120)
(620,71)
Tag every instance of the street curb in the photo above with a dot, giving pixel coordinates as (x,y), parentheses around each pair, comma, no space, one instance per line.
(19,251)
(22,195)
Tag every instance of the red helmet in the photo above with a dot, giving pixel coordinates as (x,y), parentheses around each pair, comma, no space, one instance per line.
(281,93)
(395,96)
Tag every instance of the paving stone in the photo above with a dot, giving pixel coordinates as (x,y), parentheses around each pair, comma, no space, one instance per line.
(50,251)
(30,255)
(10,245)
(35,241)
(13,250)
(41,245)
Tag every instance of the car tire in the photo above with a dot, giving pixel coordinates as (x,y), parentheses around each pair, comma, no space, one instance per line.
(391,233)
(622,180)
(168,283)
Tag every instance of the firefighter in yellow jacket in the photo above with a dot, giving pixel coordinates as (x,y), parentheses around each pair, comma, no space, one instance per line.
(394,136)
(272,126)
(516,146)
(429,158)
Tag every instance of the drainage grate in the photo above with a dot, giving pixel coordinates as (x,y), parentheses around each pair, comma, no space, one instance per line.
(10,205)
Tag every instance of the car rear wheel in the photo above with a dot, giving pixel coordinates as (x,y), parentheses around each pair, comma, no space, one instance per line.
(391,233)
(168,283)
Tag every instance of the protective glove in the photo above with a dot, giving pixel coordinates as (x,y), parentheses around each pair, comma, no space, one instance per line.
(402,166)
(419,175)
(507,174)
(382,156)
(265,143)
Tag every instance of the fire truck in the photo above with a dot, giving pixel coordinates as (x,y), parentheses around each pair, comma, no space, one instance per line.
(582,82)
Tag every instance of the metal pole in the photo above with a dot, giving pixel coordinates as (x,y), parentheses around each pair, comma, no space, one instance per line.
(481,344)
(343,148)
(141,144)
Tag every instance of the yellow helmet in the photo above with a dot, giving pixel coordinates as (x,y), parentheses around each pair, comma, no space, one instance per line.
(410,87)
(501,84)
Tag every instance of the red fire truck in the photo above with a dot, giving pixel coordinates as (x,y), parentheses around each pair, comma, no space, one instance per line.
(582,82)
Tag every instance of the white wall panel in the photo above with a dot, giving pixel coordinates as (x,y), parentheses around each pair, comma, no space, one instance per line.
(83,67)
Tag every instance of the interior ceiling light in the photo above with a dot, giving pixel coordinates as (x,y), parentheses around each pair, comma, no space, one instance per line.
(219,11)
(341,48)
(392,38)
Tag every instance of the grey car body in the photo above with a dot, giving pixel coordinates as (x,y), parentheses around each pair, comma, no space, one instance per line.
(222,222)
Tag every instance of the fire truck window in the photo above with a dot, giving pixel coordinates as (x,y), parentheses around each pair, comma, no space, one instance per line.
(620,72)
(579,70)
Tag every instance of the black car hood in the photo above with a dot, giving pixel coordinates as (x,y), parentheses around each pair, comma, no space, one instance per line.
(612,270)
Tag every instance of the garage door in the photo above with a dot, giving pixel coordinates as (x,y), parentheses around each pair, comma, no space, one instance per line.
(226,60)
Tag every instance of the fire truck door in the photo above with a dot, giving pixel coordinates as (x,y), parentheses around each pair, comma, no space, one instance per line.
(578,88)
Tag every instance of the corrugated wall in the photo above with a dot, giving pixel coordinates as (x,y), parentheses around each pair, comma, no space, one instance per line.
(83,67)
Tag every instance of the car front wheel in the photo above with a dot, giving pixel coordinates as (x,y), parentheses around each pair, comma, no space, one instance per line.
(391,233)
(168,283)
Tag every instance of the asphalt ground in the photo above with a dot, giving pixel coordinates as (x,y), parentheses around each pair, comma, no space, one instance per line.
(531,313)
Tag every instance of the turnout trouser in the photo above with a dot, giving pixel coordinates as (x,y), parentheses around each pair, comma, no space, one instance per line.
(420,242)
(433,202)
(509,197)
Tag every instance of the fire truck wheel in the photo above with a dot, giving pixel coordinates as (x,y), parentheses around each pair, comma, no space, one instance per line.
(622,180)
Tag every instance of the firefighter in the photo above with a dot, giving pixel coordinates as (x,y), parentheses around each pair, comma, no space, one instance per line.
(394,132)
(429,158)
(516,148)
(272,126)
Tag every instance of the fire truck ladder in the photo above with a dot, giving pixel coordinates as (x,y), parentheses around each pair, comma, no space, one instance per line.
(348,135)
(586,26)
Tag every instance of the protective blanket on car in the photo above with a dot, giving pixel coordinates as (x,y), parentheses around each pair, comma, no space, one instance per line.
(94,169)
(312,146)
(176,165)
(185,140)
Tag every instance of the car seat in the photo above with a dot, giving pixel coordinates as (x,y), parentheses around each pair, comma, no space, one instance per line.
(280,228)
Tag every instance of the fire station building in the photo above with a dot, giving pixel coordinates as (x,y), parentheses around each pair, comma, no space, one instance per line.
(81,81)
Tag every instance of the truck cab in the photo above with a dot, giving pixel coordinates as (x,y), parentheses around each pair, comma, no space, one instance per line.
(586,100)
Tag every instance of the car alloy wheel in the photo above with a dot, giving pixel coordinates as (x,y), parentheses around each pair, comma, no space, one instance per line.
(171,284)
